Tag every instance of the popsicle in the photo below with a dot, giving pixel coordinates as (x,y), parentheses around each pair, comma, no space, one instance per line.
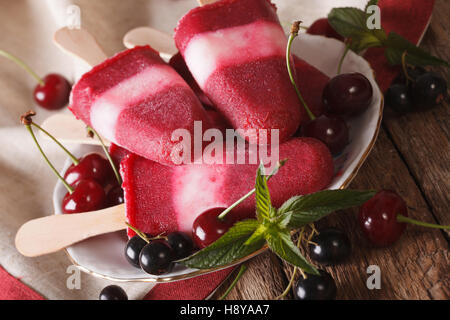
(235,50)
(163,199)
(136,100)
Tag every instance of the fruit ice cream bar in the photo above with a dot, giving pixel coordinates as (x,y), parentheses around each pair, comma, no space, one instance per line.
(164,199)
(136,100)
(235,50)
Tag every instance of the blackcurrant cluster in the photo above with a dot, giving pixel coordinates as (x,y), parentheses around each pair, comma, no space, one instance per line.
(157,256)
(416,90)
(330,247)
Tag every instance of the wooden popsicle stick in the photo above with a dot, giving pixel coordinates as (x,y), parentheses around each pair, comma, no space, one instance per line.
(81,44)
(50,234)
(158,40)
(67,129)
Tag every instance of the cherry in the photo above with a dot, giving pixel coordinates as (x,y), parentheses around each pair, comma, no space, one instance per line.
(428,90)
(378,218)
(207,227)
(181,244)
(347,94)
(383,218)
(156,258)
(115,196)
(322,27)
(331,246)
(398,98)
(133,250)
(331,130)
(316,287)
(92,166)
(54,93)
(87,195)
(113,292)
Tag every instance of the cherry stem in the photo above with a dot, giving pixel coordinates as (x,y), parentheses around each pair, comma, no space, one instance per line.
(234,205)
(294,33)
(404,67)
(347,48)
(23,65)
(235,281)
(68,187)
(111,162)
(138,232)
(402,218)
(143,236)
(75,161)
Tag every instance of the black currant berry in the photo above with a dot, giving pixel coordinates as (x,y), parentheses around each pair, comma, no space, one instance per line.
(413,74)
(113,292)
(321,287)
(181,244)
(156,258)
(331,246)
(398,98)
(428,90)
(133,250)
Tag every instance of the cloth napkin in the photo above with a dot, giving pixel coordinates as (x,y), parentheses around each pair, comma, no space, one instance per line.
(26,183)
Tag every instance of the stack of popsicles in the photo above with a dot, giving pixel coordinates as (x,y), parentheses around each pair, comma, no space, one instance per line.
(232,56)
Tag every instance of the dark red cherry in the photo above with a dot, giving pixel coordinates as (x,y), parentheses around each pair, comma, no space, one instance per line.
(322,27)
(54,94)
(92,166)
(115,196)
(88,195)
(331,130)
(207,228)
(347,94)
(378,218)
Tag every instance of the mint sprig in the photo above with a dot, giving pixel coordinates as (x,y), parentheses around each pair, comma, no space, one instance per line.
(351,23)
(273,226)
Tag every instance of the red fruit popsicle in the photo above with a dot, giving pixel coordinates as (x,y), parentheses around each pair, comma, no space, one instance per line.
(218,122)
(235,50)
(163,199)
(136,100)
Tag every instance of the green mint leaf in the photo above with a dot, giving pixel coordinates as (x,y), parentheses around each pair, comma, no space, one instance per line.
(309,208)
(228,248)
(264,209)
(283,220)
(396,45)
(352,23)
(257,236)
(281,243)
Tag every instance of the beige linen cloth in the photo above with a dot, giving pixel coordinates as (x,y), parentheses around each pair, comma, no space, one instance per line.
(26,183)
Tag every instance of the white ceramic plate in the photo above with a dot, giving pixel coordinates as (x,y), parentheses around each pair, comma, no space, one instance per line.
(104,255)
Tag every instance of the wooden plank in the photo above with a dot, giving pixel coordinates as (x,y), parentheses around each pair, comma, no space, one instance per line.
(423,138)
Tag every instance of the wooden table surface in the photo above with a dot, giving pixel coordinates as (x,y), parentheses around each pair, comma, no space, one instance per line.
(411,156)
